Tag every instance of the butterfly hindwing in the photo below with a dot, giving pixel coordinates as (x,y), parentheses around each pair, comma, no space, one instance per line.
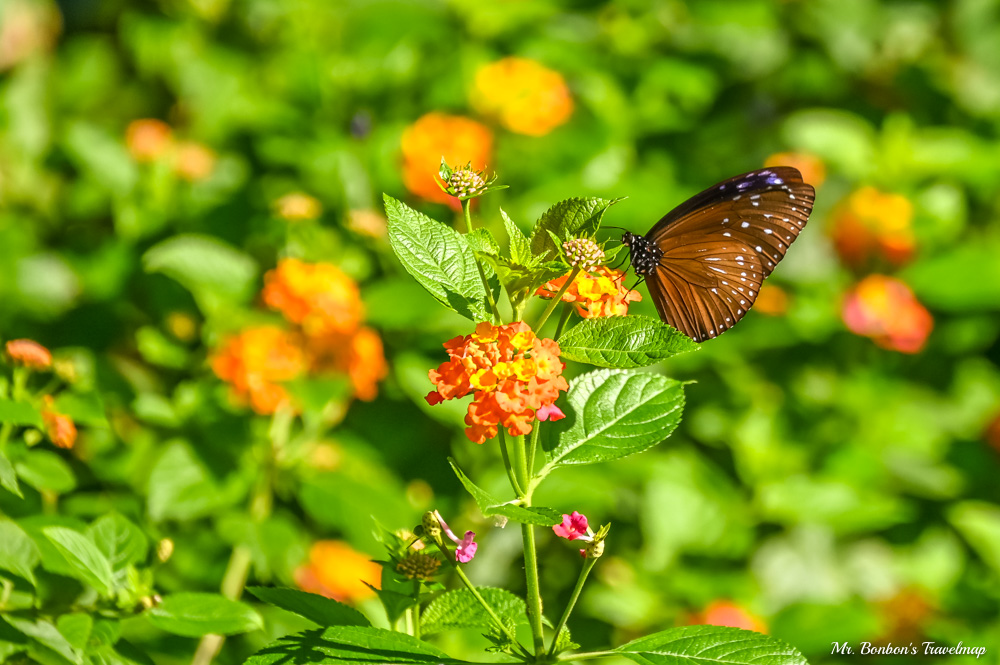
(720,245)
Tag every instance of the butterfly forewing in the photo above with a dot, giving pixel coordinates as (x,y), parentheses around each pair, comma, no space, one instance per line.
(720,245)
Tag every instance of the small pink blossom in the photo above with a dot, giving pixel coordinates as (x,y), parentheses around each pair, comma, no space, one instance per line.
(573,527)
(466,549)
(550,412)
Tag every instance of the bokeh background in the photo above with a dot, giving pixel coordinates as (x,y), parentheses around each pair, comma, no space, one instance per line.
(834,478)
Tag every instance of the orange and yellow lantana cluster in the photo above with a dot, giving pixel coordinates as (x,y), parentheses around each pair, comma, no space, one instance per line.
(435,135)
(596,294)
(325,310)
(337,571)
(515,378)
(524,95)
(871,224)
(886,310)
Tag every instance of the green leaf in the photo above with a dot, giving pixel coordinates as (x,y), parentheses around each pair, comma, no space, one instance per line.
(439,258)
(75,628)
(520,246)
(181,487)
(710,645)
(19,413)
(318,609)
(12,641)
(963,279)
(570,218)
(214,272)
(18,553)
(86,561)
(490,505)
(45,633)
(119,540)
(979,523)
(460,609)
(613,414)
(623,341)
(46,471)
(350,644)
(83,408)
(8,476)
(196,614)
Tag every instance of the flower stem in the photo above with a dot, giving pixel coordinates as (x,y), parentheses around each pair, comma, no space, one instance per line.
(587,566)
(567,311)
(556,300)
(532,447)
(530,559)
(467,213)
(511,476)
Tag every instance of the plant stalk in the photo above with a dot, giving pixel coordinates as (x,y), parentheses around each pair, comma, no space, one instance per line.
(587,566)
(467,213)
(556,300)
(511,475)
(534,599)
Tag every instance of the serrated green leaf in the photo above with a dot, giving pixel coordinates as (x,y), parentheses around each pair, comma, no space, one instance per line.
(318,609)
(439,258)
(119,540)
(460,609)
(520,246)
(612,414)
(86,561)
(8,476)
(46,471)
(623,342)
(18,553)
(196,614)
(47,635)
(214,272)
(345,645)
(19,413)
(710,645)
(570,218)
(490,505)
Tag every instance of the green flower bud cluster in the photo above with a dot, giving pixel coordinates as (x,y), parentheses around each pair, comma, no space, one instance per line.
(583,253)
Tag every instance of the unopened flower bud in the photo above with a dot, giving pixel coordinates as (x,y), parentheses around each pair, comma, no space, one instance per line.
(432,526)
(466,183)
(419,566)
(593,550)
(583,253)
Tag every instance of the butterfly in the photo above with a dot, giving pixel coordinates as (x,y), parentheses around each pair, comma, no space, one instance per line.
(705,261)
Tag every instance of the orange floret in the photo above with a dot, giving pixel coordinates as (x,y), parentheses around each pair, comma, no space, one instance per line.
(255,362)
(337,571)
(433,136)
(596,294)
(317,296)
(28,353)
(510,372)
(525,96)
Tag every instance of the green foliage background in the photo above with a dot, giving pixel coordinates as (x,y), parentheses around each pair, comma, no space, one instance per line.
(814,476)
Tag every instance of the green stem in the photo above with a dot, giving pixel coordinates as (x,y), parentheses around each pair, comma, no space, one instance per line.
(532,447)
(586,656)
(556,300)
(587,566)
(467,213)
(530,558)
(416,609)
(450,558)
(19,383)
(567,311)
(511,476)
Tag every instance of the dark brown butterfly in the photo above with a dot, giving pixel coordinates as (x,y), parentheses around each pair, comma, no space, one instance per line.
(706,259)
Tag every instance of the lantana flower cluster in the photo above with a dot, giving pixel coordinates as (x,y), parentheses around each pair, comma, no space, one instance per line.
(34,357)
(886,310)
(870,224)
(596,294)
(515,378)
(323,306)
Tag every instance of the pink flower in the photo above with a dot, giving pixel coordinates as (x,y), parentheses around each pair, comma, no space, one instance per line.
(573,527)
(550,412)
(466,549)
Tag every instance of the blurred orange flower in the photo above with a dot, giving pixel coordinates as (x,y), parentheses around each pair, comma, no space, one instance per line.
(337,571)
(515,377)
(992,433)
(28,353)
(148,139)
(728,613)
(870,224)
(597,294)
(358,354)
(59,427)
(525,96)
(194,161)
(255,362)
(886,310)
(27,27)
(771,300)
(905,614)
(298,207)
(810,166)
(317,296)
(459,140)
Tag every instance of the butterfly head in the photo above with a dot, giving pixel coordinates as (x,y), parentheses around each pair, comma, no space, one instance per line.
(644,253)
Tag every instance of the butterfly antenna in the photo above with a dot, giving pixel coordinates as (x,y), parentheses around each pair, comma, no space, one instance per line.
(637,283)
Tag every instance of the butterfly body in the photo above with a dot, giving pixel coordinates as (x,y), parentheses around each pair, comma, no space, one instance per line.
(705,261)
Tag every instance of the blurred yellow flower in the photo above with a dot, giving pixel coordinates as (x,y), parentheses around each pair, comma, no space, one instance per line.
(255,362)
(525,96)
(811,167)
(367,222)
(873,224)
(298,207)
(435,135)
(337,571)
(771,300)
